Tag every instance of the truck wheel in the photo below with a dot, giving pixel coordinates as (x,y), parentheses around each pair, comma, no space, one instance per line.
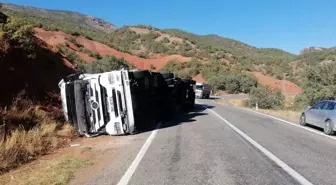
(140,74)
(167,75)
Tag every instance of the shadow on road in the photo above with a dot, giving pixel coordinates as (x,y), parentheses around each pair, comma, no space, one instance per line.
(213,98)
(183,117)
(315,127)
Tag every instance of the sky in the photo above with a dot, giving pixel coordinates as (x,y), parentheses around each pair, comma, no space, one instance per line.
(290,25)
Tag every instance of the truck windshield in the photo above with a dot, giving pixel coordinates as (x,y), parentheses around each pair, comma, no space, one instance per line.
(199,87)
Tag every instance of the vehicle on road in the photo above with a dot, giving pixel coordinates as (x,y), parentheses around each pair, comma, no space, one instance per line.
(322,114)
(98,103)
(123,101)
(203,90)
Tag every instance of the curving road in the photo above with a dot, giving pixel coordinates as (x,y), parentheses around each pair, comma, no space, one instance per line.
(218,144)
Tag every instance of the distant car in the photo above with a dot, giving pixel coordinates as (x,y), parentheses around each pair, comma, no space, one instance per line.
(322,114)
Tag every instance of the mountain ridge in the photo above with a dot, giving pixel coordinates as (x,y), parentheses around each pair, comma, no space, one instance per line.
(62,15)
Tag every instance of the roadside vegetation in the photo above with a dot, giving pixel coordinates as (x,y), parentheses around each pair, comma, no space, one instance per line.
(217,73)
(29,131)
(57,171)
(106,63)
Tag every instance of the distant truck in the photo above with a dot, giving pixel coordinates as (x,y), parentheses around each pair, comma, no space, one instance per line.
(203,90)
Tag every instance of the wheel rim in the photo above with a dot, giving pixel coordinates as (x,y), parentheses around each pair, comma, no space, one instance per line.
(328,126)
(302,120)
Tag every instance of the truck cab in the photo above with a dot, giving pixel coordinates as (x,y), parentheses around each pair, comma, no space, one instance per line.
(98,103)
(203,90)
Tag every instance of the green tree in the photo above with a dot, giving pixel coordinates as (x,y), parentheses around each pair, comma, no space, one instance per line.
(19,34)
(266,98)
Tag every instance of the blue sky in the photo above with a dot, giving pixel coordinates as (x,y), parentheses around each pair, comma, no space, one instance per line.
(290,25)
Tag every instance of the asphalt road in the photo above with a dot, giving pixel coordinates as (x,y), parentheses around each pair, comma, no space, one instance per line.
(200,148)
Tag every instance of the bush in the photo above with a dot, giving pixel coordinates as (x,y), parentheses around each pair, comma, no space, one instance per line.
(233,82)
(165,40)
(29,131)
(91,53)
(152,67)
(19,34)
(143,55)
(75,33)
(107,63)
(266,98)
(318,84)
(74,41)
(70,55)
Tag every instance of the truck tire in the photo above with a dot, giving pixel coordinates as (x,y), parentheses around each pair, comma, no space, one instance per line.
(170,82)
(167,75)
(140,74)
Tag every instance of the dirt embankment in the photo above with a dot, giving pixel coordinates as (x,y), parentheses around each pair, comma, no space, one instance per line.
(290,87)
(56,37)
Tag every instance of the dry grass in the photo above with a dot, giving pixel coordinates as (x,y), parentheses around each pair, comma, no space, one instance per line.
(234,102)
(57,171)
(28,132)
(285,113)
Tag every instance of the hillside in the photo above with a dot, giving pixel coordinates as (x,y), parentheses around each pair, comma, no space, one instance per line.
(147,41)
(81,43)
(61,15)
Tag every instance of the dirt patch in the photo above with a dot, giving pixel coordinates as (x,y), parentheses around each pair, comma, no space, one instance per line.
(55,37)
(290,87)
(51,37)
(138,62)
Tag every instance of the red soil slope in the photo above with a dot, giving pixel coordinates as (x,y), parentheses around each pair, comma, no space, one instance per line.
(55,37)
(290,87)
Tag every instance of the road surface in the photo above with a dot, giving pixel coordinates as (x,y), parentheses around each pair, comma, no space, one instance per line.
(218,144)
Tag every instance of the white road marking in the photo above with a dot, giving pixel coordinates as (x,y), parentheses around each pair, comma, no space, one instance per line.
(288,122)
(131,169)
(271,156)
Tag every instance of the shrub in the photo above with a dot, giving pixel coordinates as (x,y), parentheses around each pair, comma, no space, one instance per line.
(29,131)
(152,67)
(19,34)
(143,55)
(266,98)
(165,40)
(318,84)
(233,82)
(107,63)
(74,41)
(75,33)
(96,55)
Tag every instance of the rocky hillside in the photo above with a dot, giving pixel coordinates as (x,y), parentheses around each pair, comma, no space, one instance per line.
(60,15)
(147,42)
(81,40)
(310,50)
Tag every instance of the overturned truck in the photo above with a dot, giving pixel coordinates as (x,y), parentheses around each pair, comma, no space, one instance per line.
(123,101)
